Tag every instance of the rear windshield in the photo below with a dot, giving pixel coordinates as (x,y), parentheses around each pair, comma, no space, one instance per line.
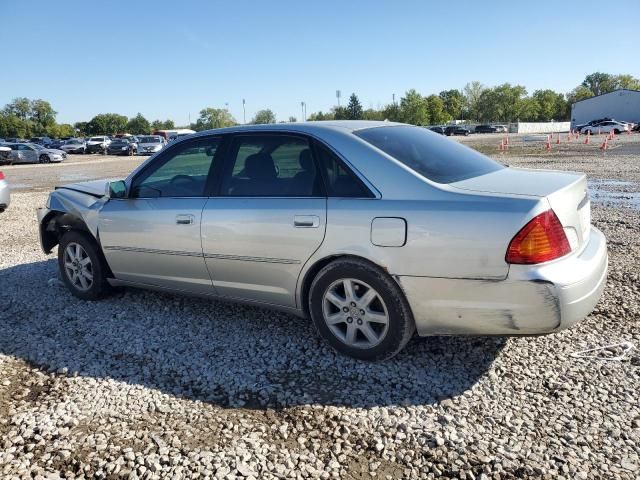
(97,139)
(150,140)
(431,155)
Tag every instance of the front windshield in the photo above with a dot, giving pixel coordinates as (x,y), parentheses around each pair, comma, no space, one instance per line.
(150,140)
(97,139)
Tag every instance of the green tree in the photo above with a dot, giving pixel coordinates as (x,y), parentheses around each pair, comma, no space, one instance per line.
(42,115)
(437,112)
(20,107)
(505,102)
(354,108)
(213,118)
(340,113)
(549,106)
(13,126)
(264,116)
(413,109)
(472,93)
(579,93)
(81,128)
(453,103)
(138,125)
(599,83)
(162,125)
(625,81)
(318,116)
(392,113)
(292,119)
(60,130)
(107,124)
(373,114)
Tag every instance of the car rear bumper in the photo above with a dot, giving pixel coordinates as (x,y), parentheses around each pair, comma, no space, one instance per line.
(533,299)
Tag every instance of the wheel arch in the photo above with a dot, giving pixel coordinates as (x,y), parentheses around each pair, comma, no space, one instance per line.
(312,271)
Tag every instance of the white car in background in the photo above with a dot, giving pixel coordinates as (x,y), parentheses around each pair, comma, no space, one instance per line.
(607,126)
(150,144)
(5,193)
(97,144)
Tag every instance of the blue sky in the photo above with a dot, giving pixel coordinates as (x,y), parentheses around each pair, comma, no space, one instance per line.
(170,59)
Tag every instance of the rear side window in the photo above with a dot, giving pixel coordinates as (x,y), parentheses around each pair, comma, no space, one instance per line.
(271,166)
(340,182)
(432,156)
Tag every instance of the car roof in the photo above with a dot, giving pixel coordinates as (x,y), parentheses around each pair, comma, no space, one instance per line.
(346,126)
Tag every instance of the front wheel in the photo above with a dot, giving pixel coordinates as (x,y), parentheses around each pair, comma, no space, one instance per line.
(44,159)
(81,266)
(359,310)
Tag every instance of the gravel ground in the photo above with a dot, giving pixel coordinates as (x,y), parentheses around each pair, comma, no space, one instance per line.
(150,385)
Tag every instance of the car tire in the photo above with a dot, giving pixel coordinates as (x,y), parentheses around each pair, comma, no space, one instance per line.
(85,279)
(616,131)
(373,325)
(44,159)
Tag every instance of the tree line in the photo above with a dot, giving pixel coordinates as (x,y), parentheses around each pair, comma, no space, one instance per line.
(25,118)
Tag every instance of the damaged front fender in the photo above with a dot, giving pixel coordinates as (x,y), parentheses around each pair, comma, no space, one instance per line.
(68,209)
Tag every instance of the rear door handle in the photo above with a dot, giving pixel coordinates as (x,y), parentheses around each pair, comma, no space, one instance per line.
(306,221)
(184,219)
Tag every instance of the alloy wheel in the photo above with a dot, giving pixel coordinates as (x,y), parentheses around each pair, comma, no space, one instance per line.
(355,313)
(78,267)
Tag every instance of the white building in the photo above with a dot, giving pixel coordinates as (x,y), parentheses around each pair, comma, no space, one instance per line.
(619,105)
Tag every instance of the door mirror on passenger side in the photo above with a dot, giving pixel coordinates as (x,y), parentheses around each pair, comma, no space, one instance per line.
(116,189)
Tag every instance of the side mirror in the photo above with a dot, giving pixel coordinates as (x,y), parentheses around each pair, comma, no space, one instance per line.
(116,189)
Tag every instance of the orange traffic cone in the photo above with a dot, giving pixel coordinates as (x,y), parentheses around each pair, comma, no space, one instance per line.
(569,137)
(506,140)
(605,144)
(586,140)
(558,140)
(547,145)
(501,147)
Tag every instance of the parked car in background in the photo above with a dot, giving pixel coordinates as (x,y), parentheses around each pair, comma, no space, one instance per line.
(98,144)
(15,140)
(34,153)
(5,193)
(485,129)
(150,144)
(56,143)
(501,129)
(456,130)
(74,145)
(5,153)
(44,141)
(437,129)
(122,146)
(605,127)
(372,229)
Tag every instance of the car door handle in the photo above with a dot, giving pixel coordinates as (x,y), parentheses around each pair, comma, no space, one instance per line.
(306,221)
(184,219)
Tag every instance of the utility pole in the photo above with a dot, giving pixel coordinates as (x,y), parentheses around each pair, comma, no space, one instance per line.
(338,95)
(303,110)
(244,113)
(393,96)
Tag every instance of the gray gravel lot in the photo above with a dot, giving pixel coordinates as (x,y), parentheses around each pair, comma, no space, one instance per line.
(150,385)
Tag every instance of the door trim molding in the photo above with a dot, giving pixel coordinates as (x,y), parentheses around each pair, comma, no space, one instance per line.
(152,250)
(241,258)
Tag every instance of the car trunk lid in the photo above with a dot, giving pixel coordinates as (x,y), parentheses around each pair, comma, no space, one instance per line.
(566,193)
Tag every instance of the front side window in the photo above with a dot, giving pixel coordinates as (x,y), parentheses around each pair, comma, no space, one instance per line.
(180,172)
(271,166)
(432,156)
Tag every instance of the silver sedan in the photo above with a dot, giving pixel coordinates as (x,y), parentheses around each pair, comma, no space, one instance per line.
(33,153)
(373,230)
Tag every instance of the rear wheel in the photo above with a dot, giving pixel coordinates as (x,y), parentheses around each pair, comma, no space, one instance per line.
(81,266)
(359,310)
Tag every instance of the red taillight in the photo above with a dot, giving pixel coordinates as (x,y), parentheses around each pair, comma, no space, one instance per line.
(1,176)
(540,240)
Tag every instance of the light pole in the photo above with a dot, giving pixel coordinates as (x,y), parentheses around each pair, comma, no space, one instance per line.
(393,96)
(303,110)
(244,113)
(338,95)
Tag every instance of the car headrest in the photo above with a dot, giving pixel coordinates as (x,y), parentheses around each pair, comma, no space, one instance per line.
(260,166)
